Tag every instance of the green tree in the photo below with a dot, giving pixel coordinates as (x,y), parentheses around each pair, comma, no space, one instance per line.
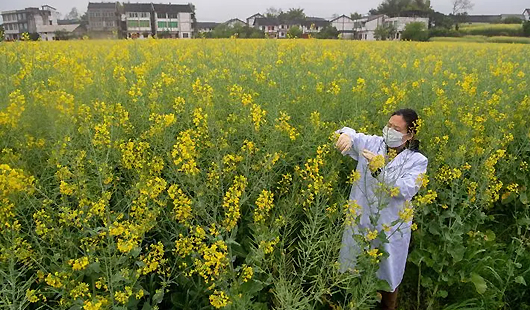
(526,29)
(273,12)
(328,32)
(295,14)
(1,33)
(384,32)
(396,7)
(294,32)
(355,16)
(415,32)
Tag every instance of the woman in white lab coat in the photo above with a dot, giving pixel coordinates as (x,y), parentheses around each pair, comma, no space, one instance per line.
(401,172)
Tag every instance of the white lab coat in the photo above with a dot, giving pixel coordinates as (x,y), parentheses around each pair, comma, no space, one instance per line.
(402,172)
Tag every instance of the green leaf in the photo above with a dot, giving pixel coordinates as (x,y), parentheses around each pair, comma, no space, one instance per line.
(457,252)
(480,283)
(442,294)
(159,296)
(434,229)
(524,198)
(520,280)
(490,235)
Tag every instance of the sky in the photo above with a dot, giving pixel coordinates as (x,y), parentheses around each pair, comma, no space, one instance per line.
(223,10)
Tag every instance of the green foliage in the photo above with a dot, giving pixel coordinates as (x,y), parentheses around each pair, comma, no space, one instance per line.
(490,30)
(394,8)
(328,32)
(513,20)
(526,29)
(415,32)
(443,32)
(225,31)
(384,32)
(294,32)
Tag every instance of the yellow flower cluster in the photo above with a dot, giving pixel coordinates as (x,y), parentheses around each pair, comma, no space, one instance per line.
(282,124)
(185,154)
(231,202)
(246,273)
(182,204)
(219,299)
(154,259)
(79,264)
(376,163)
(264,204)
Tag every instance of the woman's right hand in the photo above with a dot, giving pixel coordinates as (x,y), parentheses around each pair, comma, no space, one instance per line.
(344,143)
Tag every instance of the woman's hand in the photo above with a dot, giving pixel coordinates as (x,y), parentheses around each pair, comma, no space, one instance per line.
(344,143)
(369,155)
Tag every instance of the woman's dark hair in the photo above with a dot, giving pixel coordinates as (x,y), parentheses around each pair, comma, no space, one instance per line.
(411,117)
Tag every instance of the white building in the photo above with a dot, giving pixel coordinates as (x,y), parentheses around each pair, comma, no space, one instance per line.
(17,22)
(275,28)
(203,27)
(364,28)
(526,14)
(174,19)
(251,19)
(139,19)
(344,24)
(235,22)
(49,32)
(399,24)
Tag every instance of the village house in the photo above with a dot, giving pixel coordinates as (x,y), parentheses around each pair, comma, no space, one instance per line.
(203,27)
(28,20)
(103,19)
(399,24)
(344,25)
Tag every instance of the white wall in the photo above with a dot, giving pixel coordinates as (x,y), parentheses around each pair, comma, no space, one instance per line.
(185,25)
(342,24)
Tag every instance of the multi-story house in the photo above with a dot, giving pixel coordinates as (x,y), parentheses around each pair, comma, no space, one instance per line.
(364,28)
(28,20)
(251,19)
(103,19)
(344,25)
(276,28)
(175,20)
(171,20)
(139,19)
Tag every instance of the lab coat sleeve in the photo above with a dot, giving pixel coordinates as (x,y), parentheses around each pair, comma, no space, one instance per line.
(359,141)
(407,183)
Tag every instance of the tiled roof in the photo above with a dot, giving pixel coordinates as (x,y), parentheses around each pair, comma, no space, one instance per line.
(137,7)
(101,5)
(173,8)
(204,25)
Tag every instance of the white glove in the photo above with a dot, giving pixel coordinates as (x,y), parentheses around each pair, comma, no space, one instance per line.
(344,143)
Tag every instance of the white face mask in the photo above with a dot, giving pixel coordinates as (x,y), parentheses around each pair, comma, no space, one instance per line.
(392,137)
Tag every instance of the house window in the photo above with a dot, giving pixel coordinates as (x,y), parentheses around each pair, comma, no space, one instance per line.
(50,22)
(263,28)
(132,23)
(173,25)
(162,24)
(185,35)
(133,14)
(173,16)
(144,14)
